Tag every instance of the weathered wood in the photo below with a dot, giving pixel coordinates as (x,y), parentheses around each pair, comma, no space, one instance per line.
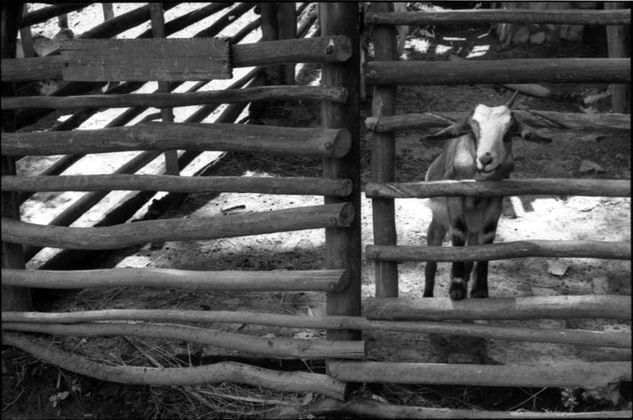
(339,20)
(325,49)
(531,307)
(617,37)
(46,13)
(383,161)
(146,59)
(506,188)
(275,347)
(548,335)
(190,136)
(371,409)
(31,68)
(188,184)
(287,29)
(261,93)
(108,11)
(12,256)
(124,235)
(555,70)
(535,118)
(587,374)
(276,280)
(569,17)
(611,250)
(216,373)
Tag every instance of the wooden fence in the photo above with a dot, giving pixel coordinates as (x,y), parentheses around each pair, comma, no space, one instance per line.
(338,143)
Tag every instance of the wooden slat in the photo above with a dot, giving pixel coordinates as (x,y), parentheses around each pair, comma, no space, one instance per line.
(274,280)
(146,59)
(45,13)
(615,339)
(506,188)
(555,70)
(128,234)
(184,184)
(529,307)
(190,136)
(553,374)
(260,93)
(34,68)
(612,250)
(569,17)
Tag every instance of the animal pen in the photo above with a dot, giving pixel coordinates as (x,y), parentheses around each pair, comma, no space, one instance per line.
(99,60)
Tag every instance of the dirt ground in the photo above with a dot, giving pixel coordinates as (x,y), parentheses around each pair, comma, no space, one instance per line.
(34,390)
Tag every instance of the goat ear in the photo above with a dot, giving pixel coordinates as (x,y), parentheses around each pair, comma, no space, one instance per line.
(526,132)
(456,129)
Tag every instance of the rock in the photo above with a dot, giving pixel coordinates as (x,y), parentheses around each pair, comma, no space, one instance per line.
(544,291)
(589,166)
(537,38)
(521,36)
(557,268)
(600,285)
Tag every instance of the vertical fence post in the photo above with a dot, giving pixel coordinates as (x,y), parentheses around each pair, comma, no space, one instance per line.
(13,298)
(26,38)
(287,20)
(383,159)
(619,48)
(108,11)
(167,113)
(270,32)
(343,247)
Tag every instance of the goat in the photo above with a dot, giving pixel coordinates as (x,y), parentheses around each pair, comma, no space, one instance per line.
(480,149)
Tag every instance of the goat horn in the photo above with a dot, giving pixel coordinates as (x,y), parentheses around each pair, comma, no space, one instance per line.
(511,101)
(454,130)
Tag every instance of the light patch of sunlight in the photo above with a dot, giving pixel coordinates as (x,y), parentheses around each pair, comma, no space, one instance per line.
(63,118)
(420,45)
(316,81)
(453,38)
(443,49)
(478,51)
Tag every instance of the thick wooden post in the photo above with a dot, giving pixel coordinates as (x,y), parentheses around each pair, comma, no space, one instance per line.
(383,159)
(167,113)
(108,11)
(619,47)
(13,298)
(287,21)
(343,247)
(270,32)
(26,38)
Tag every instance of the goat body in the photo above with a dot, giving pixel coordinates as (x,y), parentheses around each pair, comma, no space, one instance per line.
(484,152)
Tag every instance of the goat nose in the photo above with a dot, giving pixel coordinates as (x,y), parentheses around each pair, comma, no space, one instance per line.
(485,159)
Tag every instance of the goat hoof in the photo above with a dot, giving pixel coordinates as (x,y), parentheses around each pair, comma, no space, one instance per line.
(479,293)
(457,291)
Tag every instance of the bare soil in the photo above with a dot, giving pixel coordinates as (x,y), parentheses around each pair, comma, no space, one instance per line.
(32,389)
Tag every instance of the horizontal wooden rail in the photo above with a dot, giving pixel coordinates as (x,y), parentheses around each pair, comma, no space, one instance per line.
(335,48)
(534,70)
(325,49)
(532,307)
(128,234)
(549,335)
(275,280)
(568,17)
(554,374)
(610,250)
(190,136)
(508,187)
(180,184)
(208,374)
(158,100)
(359,408)
(535,118)
(275,347)
(45,13)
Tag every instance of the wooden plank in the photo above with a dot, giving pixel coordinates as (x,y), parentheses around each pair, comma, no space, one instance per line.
(146,59)
(613,250)
(46,13)
(33,68)
(325,49)
(208,374)
(274,280)
(343,246)
(535,118)
(261,93)
(190,136)
(615,339)
(383,159)
(185,184)
(554,374)
(529,307)
(619,46)
(533,70)
(128,234)
(568,17)
(506,188)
